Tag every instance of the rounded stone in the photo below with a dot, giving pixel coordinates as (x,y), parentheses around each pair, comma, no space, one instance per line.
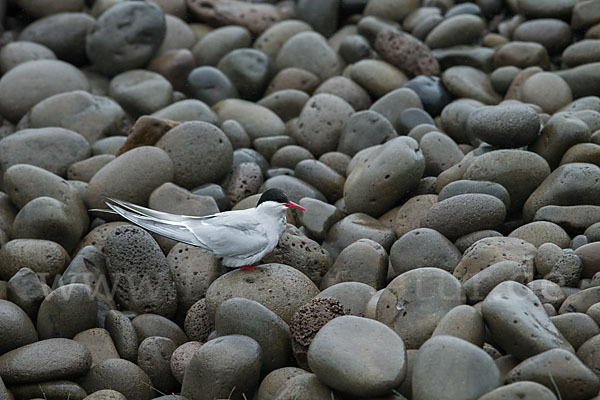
(197,324)
(17,328)
(436,365)
(26,290)
(365,129)
(218,42)
(482,283)
(540,232)
(590,258)
(210,85)
(249,70)
(463,214)
(293,78)
(140,91)
(519,171)
(553,34)
(239,316)
(469,82)
(440,152)
(180,359)
(66,311)
(50,359)
(306,386)
(195,165)
(289,156)
(275,381)
(121,375)
(27,84)
(321,122)
(560,369)
(149,325)
(532,333)
(511,125)
(577,328)
(377,77)
(258,121)
(483,187)
(287,103)
(93,117)
(140,27)
(378,183)
(19,52)
(354,296)
(139,270)
(322,177)
(288,289)
(53,149)
(43,257)
(309,51)
(412,299)
(132,177)
(336,356)
(406,52)
(463,322)
(456,30)
(225,366)
(154,357)
(547,90)
(521,390)
(522,55)
(422,248)
(346,89)
(63,33)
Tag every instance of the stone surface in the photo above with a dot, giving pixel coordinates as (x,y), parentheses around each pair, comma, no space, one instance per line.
(436,364)
(122,376)
(511,125)
(154,357)
(45,360)
(521,390)
(43,257)
(309,51)
(532,333)
(406,52)
(18,330)
(412,306)
(335,352)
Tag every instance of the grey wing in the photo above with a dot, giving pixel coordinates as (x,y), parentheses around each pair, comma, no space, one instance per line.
(231,235)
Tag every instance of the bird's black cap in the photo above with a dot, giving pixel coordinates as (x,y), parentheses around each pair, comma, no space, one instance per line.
(274,194)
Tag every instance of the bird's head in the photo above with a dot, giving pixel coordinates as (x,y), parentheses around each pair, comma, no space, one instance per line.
(280,199)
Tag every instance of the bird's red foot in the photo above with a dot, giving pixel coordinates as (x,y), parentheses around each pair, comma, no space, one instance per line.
(248,267)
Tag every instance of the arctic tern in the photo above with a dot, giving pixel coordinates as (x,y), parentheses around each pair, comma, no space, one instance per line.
(241,238)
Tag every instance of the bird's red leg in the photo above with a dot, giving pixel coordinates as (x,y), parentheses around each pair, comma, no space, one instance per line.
(248,267)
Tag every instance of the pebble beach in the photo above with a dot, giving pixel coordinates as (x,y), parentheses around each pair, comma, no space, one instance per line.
(447,154)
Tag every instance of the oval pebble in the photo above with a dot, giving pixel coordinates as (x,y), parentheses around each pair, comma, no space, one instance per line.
(17,328)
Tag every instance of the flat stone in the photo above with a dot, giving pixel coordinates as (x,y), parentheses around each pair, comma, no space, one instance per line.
(187,110)
(354,296)
(349,336)
(412,300)
(571,218)
(561,368)
(436,366)
(456,30)
(258,121)
(532,333)
(141,91)
(580,300)
(45,360)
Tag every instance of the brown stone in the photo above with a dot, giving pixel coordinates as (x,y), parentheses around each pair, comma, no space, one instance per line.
(146,132)
(590,257)
(406,52)
(256,17)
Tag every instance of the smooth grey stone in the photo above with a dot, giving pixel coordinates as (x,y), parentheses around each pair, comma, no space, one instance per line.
(322,177)
(469,82)
(473,56)
(218,42)
(27,84)
(467,186)
(268,146)
(84,170)
(583,79)
(321,15)
(318,217)
(27,291)
(421,248)
(432,93)
(533,333)
(148,325)
(347,89)
(354,48)
(413,299)
(60,389)
(53,149)
(195,166)
(216,192)
(249,70)
(66,311)
(309,51)
(271,40)
(222,364)
(139,270)
(154,357)
(482,283)
(411,117)
(546,8)
(503,77)
(17,328)
(363,261)
(377,184)
(354,296)
(338,356)
(393,103)
(236,134)
(210,85)
(46,360)
(354,227)
(239,316)
(522,390)
(440,152)
(187,110)
(577,328)
(246,155)
(197,324)
(120,375)
(290,155)
(258,121)
(456,30)
(436,365)
(140,91)
(454,118)
(293,187)
(540,232)
(63,33)
(511,125)
(132,177)
(137,27)
(109,145)
(464,322)
(306,386)
(19,52)
(365,129)
(123,334)
(276,380)
(286,103)
(181,357)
